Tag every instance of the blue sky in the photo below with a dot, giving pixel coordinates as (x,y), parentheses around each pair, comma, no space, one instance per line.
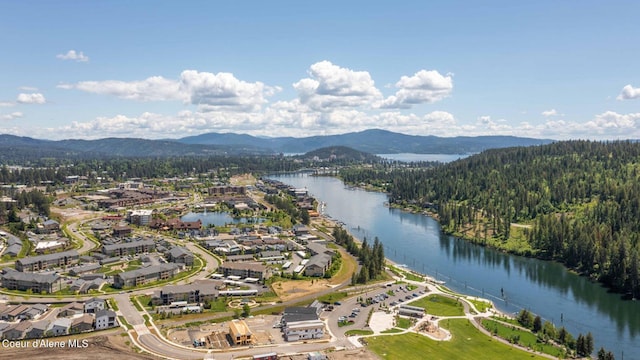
(168,69)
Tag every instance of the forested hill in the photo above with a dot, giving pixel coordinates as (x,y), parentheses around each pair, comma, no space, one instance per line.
(576,201)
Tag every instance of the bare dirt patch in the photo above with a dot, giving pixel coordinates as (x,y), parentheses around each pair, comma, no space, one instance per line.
(100,347)
(293,289)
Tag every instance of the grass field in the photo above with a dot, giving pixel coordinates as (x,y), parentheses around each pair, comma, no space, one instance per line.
(467,341)
(440,305)
(482,306)
(358,332)
(522,337)
(403,323)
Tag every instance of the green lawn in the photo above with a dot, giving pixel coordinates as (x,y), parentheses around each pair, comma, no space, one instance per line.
(482,306)
(467,343)
(358,332)
(522,337)
(403,323)
(440,305)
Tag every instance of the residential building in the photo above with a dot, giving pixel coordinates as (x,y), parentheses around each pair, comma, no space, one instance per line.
(41,262)
(129,248)
(37,283)
(180,255)
(71,309)
(38,329)
(196,292)
(318,265)
(145,275)
(81,324)
(105,319)
(59,326)
(140,217)
(94,305)
(240,333)
(17,331)
(82,269)
(301,323)
(245,270)
(121,231)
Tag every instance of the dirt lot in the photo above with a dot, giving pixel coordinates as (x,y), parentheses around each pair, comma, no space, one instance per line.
(99,347)
(288,290)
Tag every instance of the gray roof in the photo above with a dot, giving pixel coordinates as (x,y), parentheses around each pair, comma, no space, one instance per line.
(128,245)
(31,277)
(146,271)
(85,268)
(105,312)
(40,325)
(14,249)
(178,251)
(12,240)
(296,313)
(48,257)
(321,260)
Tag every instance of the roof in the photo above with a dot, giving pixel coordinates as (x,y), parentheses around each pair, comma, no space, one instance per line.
(62,322)
(128,245)
(14,249)
(204,286)
(105,312)
(50,222)
(31,277)
(178,251)
(253,266)
(321,260)
(94,299)
(146,271)
(297,313)
(84,318)
(141,212)
(239,328)
(48,257)
(40,325)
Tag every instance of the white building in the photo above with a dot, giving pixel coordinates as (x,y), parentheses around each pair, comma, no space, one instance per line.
(303,330)
(105,319)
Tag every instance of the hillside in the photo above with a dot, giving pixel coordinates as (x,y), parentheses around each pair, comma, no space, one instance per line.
(340,154)
(577,202)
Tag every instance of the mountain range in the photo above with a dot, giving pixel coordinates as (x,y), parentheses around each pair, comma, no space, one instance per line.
(372,141)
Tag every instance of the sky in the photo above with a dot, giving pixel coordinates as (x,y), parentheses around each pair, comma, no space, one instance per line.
(170,69)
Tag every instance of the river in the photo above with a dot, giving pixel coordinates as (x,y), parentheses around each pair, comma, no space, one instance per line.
(542,287)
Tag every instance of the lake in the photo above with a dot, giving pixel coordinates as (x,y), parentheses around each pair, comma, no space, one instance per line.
(542,287)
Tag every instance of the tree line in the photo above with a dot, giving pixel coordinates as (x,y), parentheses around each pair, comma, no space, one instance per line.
(580,201)
(371,257)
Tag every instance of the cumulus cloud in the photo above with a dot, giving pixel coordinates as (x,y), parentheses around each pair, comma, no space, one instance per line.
(330,86)
(548,113)
(6,103)
(11,116)
(33,98)
(211,92)
(629,93)
(425,86)
(155,88)
(214,92)
(73,55)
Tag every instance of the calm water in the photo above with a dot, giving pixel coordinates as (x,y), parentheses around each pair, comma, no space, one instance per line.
(412,157)
(544,288)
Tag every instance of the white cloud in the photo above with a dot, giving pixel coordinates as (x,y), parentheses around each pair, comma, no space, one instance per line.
(548,113)
(11,116)
(33,98)
(155,88)
(73,55)
(425,86)
(211,92)
(214,92)
(629,93)
(28,88)
(331,86)
(7,103)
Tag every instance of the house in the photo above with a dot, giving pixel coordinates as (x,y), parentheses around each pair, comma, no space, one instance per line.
(81,324)
(17,331)
(15,312)
(36,282)
(94,305)
(41,262)
(245,270)
(105,319)
(59,327)
(300,229)
(180,255)
(3,327)
(129,248)
(48,226)
(38,329)
(144,275)
(240,333)
(71,309)
(13,250)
